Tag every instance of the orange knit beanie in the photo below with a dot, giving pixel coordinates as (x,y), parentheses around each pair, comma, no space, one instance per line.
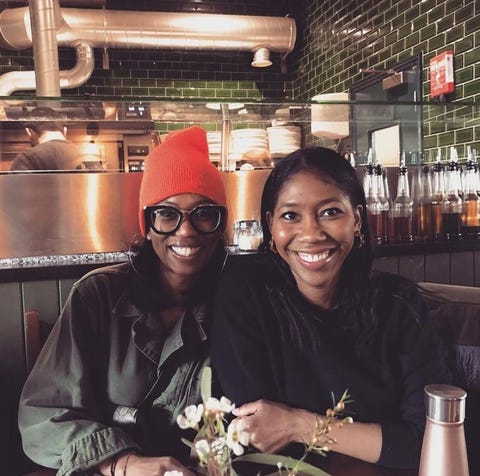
(180,164)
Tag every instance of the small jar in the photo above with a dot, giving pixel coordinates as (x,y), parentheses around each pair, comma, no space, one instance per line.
(248,235)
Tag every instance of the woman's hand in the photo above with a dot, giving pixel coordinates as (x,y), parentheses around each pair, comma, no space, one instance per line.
(273,425)
(137,465)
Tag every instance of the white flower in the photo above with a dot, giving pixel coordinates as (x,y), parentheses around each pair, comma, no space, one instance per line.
(203,449)
(223,405)
(218,444)
(237,436)
(193,415)
(173,473)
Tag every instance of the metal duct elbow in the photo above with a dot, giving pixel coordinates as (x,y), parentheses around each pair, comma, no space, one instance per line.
(70,78)
(82,70)
(16,81)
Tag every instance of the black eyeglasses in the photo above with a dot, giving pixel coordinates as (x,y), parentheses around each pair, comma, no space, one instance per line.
(165,219)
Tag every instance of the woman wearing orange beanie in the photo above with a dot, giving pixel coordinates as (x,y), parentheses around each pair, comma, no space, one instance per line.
(125,355)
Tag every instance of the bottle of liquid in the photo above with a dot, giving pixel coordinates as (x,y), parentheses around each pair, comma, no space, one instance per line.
(384,203)
(422,204)
(454,166)
(388,196)
(374,209)
(351,158)
(444,449)
(470,217)
(438,197)
(403,207)
(452,203)
(415,191)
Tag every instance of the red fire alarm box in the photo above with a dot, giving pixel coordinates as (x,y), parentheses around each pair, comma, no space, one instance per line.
(441,74)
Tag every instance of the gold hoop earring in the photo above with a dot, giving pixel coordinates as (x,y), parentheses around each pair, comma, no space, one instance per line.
(272,246)
(359,237)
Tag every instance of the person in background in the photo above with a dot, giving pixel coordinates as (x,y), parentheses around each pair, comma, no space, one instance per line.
(308,320)
(50,151)
(125,356)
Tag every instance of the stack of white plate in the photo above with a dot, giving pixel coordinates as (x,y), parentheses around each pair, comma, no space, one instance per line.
(283,139)
(214,140)
(249,144)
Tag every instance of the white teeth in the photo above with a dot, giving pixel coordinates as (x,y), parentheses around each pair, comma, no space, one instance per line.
(185,250)
(313,258)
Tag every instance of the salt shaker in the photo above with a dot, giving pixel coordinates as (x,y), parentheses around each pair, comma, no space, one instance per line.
(444,450)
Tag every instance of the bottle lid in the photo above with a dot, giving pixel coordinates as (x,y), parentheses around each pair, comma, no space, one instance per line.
(445,403)
(470,165)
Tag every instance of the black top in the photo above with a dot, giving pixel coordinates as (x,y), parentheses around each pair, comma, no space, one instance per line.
(257,356)
(51,155)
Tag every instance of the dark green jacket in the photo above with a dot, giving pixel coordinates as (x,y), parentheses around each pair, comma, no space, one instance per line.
(104,355)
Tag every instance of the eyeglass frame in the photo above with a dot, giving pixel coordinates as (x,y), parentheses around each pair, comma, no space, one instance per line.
(149,210)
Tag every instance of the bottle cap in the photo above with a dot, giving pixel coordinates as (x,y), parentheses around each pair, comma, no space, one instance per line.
(445,403)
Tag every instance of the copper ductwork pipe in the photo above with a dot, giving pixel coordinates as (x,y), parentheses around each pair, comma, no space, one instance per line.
(153,30)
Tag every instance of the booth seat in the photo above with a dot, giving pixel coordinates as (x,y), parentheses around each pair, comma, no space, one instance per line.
(454,312)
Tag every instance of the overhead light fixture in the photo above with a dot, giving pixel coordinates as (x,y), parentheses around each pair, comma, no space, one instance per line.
(261,58)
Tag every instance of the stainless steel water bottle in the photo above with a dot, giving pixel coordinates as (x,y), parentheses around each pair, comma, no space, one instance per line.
(444,450)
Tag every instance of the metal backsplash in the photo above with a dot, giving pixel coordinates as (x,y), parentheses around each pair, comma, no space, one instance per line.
(47,214)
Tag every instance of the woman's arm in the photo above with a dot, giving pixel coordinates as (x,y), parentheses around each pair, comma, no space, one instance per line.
(272,426)
(64,413)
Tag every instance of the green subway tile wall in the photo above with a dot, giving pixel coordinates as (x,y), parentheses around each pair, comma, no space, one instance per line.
(343,36)
(340,37)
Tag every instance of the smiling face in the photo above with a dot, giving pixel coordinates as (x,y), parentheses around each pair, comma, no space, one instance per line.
(185,253)
(313,226)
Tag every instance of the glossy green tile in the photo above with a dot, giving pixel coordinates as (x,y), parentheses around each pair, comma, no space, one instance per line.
(465,135)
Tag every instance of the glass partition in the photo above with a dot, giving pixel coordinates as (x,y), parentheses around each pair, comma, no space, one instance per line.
(117,135)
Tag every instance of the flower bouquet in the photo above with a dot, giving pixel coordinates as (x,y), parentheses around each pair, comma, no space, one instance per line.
(218,445)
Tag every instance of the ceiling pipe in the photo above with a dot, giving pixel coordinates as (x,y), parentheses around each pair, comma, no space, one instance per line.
(156,30)
(160,30)
(45,20)
(69,79)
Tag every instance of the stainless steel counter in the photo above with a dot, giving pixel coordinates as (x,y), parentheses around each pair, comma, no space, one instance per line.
(54,261)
